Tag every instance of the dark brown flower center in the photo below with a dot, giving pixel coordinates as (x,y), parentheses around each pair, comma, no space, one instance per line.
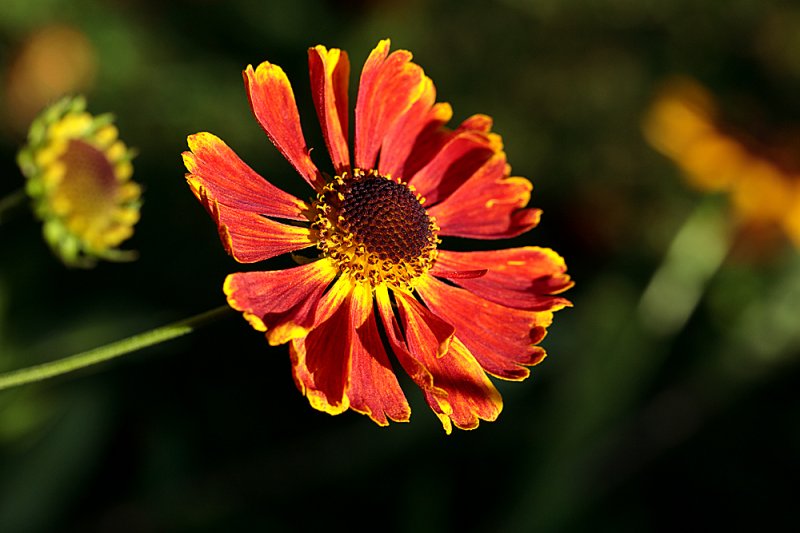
(386,217)
(375,229)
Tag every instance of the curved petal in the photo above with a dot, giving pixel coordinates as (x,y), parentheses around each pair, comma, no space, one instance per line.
(469,394)
(281,303)
(249,237)
(400,139)
(523,278)
(463,154)
(373,388)
(435,396)
(321,360)
(429,140)
(321,363)
(214,166)
(437,332)
(329,71)
(273,104)
(489,205)
(477,122)
(341,364)
(389,85)
(502,339)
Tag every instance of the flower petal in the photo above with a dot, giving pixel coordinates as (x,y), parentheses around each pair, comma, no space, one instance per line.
(523,278)
(321,360)
(502,339)
(463,154)
(389,85)
(438,332)
(320,363)
(415,369)
(281,303)
(400,139)
(250,237)
(427,143)
(469,394)
(477,122)
(329,71)
(215,167)
(272,101)
(373,388)
(492,201)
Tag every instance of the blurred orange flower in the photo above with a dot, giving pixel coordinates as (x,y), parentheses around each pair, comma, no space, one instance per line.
(378,284)
(53,61)
(685,124)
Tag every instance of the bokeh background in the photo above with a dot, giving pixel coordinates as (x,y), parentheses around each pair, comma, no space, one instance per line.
(669,398)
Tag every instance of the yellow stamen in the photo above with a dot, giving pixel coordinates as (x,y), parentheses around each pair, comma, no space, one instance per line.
(375,229)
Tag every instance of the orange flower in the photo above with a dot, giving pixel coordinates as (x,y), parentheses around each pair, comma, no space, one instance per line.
(379,291)
(763,185)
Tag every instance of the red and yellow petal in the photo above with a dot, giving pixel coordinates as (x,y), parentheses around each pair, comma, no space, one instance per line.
(281,303)
(495,204)
(477,122)
(388,87)
(461,157)
(321,360)
(524,278)
(454,385)
(461,392)
(502,339)
(321,363)
(418,373)
(430,139)
(273,104)
(212,165)
(342,364)
(249,237)
(400,139)
(373,388)
(330,71)
(440,333)
(471,395)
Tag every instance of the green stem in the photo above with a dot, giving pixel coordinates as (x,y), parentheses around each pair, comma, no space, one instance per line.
(694,257)
(109,351)
(10,203)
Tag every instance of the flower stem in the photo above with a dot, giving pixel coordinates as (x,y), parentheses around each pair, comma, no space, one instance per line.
(12,202)
(693,258)
(109,351)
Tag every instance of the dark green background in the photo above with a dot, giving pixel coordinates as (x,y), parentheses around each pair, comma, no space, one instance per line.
(617,430)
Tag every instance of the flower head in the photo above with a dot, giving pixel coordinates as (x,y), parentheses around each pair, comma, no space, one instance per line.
(375,288)
(760,176)
(79,178)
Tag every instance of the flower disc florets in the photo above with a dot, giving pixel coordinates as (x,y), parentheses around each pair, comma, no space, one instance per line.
(375,228)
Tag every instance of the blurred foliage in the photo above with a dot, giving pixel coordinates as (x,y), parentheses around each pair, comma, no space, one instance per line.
(627,426)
